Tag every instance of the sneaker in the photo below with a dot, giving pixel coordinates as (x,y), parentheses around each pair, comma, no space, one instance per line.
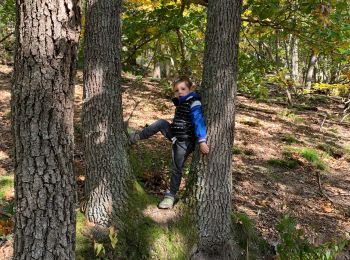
(134,137)
(167,202)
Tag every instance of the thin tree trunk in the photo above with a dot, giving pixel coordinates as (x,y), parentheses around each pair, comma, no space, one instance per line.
(156,63)
(214,183)
(295,58)
(277,47)
(184,69)
(47,34)
(310,69)
(107,165)
(286,52)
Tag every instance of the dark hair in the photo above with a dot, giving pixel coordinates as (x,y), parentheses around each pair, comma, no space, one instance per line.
(184,79)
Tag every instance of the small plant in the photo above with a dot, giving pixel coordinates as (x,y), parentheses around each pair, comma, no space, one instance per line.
(99,249)
(288,114)
(261,92)
(309,154)
(289,138)
(331,149)
(346,150)
(167,87)
(248,238)
(294,247)
(236,150)
(313,157)
(286,163)
(249,122)
(249,152)
(333,130)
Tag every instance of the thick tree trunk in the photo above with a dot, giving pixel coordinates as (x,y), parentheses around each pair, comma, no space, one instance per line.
(310,69)
(107,165)
(47,35)
(214,181)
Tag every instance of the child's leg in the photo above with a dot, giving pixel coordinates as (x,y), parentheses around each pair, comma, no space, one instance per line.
(160,125)
(181,150)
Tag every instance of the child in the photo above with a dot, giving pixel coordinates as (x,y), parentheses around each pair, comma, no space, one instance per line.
(188,126)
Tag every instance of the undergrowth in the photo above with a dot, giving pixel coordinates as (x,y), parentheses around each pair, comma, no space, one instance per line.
(294,246)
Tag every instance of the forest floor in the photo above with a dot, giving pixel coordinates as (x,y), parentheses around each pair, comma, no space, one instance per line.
(284,159)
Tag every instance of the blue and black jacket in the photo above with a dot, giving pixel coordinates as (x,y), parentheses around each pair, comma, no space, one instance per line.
(188,121)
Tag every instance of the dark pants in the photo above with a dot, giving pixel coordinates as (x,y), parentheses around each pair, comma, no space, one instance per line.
(180,150)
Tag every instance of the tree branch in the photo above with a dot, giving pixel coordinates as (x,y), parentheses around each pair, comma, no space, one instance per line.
(7,36)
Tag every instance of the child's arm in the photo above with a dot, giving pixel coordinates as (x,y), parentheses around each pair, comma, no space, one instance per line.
(199,126)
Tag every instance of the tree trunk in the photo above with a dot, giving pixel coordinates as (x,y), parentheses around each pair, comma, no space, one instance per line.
(286,53)
(310,70)
(214,181)
(107,165)
(277,47)
(47,34)
(295,58)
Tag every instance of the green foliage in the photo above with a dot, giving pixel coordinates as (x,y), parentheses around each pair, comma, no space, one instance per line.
(99,249)
(309,154)
(236,150)
(247,236)
(281,78)
(156,32)
(6,184)
(313,157)
(261,92)
(7,26)
(332,89)
(251,77)
(8,14)
(294,247)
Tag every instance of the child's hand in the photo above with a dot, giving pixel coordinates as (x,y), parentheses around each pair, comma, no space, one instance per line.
(204,148)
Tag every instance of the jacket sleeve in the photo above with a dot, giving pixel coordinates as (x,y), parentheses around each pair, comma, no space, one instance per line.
(198,121)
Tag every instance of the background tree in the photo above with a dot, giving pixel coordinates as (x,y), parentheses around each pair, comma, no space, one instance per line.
(107,165)
(42,108)
(213,189)
(7,29)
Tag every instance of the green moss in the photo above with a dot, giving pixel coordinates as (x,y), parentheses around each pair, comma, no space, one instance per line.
(84,246)
(143,238)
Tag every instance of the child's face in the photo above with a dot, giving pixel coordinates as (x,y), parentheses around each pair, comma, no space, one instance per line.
(181,89)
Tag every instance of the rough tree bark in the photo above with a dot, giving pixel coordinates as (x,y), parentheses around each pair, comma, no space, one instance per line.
(107,165)
(214,181)
(47,34)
